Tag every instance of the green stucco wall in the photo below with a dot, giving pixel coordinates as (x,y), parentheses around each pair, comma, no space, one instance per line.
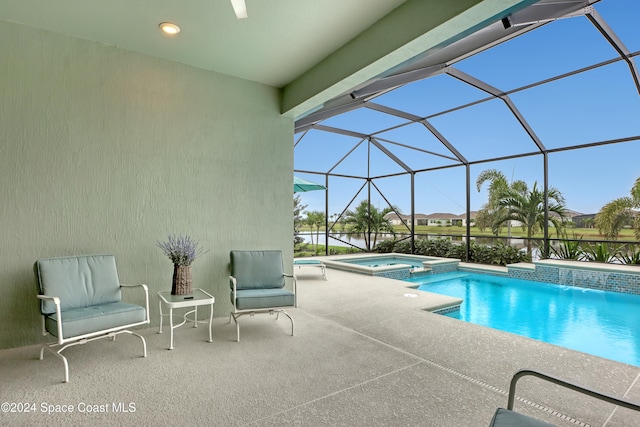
(103,150)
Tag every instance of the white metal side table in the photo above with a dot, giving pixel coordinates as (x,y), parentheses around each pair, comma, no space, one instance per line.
(197,298)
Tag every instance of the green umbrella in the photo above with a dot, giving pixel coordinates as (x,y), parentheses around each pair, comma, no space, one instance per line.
(300,185)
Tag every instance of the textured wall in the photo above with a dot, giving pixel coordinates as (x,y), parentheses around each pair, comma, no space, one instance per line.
(107,151)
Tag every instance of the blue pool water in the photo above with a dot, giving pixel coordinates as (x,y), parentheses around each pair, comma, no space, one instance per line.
(601,323)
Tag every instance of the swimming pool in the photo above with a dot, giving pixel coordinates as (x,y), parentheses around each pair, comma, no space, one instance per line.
(602,323)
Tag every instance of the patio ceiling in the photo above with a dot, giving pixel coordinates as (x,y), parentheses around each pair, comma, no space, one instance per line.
(278,42)
(312,50)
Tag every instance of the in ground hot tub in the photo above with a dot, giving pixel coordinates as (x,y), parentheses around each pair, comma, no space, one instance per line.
(392,265)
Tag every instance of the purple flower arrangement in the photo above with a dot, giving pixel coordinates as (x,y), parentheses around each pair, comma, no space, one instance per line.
(181,250)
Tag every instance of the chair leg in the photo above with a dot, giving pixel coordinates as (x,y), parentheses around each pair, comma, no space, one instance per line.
(290,318)
(277,312)
(57,353)
(144,342)
(235,319)
(252,313)
(111,335)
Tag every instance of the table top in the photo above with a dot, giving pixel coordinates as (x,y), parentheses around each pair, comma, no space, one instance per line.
(197,297)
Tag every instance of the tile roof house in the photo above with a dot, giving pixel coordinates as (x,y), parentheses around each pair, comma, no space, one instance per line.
(434,219)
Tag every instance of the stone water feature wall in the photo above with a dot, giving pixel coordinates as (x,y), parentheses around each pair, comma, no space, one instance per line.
(394,274)
(604,277)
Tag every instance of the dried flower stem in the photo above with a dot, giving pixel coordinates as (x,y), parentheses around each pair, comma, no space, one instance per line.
(181,250)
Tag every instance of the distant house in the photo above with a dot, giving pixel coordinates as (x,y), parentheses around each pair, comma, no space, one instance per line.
(573,216)
(441,219)
(446,219)
(435,219)
(462,219)
(584,220)
(395,219)
(570,216)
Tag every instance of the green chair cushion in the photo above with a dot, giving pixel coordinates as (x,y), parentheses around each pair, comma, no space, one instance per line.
(257,269)
(255,299)
(79,281)
(94,318)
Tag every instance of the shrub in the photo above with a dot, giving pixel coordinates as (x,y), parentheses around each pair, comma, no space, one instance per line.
(599,253)
(438,247)
(403,247)
(459,251)
(629,256)
(499,254)
(386,246)
(569,249)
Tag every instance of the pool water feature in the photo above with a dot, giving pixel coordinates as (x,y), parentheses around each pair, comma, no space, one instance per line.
(602,323)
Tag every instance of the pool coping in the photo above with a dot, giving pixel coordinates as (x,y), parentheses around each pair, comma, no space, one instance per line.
(604,276)
(429,262)
(587,265)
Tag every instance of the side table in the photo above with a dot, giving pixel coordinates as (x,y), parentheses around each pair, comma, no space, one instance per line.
(197,298)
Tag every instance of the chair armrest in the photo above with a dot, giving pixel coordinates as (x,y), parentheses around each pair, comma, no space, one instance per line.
(56,301)
(234,283)
(295,288)
(146,297)
(122,285)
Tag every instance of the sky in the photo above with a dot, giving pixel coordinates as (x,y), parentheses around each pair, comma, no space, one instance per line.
(597,105)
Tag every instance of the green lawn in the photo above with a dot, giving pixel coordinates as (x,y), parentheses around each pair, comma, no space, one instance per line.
(585,233)
(309,250)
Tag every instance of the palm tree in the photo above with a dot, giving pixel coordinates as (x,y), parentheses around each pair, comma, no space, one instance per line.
(366,220)
(619,212)
(528,208)
(298,207)
(315,219)
(483,220)
(498,185)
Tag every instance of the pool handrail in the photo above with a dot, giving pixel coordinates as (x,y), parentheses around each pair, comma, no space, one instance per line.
(567,384)
(508,417)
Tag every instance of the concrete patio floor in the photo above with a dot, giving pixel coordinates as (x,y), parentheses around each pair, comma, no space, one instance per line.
(365,352)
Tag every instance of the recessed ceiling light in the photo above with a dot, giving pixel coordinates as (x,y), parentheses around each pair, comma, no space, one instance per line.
(169,28)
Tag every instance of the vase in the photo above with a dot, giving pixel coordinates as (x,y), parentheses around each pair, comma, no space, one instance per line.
(181,280)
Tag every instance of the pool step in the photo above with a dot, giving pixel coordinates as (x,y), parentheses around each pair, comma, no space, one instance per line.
(447,310)
(426,280)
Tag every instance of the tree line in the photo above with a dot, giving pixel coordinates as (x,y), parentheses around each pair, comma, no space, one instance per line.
(508,203)
(365,221)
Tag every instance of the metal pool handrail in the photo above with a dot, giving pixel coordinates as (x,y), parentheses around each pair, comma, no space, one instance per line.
(575,387)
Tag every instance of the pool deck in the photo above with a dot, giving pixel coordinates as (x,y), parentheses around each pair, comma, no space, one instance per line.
(366,352)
